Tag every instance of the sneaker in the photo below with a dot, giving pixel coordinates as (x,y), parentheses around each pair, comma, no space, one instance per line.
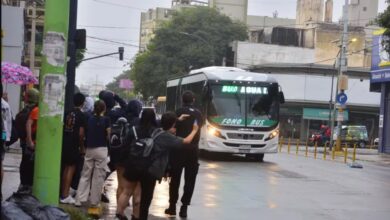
(77,203)
(68,200)
(171,211)
(183,211)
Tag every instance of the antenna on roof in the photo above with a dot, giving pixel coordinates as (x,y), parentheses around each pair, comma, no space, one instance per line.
(275,14)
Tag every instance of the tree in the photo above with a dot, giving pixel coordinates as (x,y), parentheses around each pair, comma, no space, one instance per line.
(384,21)
(80,56)
(194,38)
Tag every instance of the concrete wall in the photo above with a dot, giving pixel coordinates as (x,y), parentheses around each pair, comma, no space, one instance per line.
(235,9)
(361,12)
(12,24)
(248,54)
(260,22)
(317,88)
(309,11)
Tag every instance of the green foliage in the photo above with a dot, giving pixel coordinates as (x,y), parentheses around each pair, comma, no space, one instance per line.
(384,21)
(194,38)
(80,56)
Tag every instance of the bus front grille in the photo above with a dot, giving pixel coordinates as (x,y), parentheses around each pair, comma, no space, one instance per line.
(238,145)
(240,136)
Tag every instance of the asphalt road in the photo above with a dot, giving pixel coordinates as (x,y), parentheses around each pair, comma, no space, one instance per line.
(283,187)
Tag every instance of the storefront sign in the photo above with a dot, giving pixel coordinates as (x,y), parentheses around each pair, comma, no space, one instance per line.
(381,121)
(321,114)
(380,65)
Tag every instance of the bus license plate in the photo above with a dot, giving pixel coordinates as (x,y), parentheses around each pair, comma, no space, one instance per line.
(244,149)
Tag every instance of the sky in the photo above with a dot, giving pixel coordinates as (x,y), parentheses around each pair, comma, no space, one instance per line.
(119,21)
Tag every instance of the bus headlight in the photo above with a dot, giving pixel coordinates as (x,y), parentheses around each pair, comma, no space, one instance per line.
(214,132)
(272,135)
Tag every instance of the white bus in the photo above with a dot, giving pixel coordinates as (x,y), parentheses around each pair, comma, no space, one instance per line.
(240,108)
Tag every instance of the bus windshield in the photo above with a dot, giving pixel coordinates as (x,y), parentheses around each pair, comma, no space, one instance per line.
(244,105)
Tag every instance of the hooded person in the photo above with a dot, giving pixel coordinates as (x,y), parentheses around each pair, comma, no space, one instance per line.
(110,99)
(119,155)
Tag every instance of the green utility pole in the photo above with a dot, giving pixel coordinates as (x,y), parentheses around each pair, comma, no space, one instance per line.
(51,105)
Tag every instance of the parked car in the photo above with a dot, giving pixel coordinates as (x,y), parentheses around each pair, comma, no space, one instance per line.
(353,134)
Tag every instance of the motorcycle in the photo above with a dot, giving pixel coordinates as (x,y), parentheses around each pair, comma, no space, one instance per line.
(315,137)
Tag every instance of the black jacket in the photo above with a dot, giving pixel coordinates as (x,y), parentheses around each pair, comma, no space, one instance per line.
(184,128)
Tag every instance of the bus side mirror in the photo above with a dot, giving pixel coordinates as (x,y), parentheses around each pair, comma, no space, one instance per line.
(281,98)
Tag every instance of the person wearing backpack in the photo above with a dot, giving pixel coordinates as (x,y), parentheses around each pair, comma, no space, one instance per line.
(148,172)
(115,108)
(96,158)
(119,151)
(72,145)
(26,126)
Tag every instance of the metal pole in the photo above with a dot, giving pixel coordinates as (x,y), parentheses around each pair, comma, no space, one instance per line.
(51,103)
(343,65)
(331,105)
(71,67)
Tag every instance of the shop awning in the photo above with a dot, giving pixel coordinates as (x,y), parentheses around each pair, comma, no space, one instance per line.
(320,114)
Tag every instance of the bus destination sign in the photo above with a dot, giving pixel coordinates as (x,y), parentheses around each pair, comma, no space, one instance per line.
(245,89)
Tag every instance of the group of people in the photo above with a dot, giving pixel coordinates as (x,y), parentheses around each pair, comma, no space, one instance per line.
(92,150)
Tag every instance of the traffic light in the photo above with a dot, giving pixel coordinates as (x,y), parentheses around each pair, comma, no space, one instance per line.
(121,50)
(80,39)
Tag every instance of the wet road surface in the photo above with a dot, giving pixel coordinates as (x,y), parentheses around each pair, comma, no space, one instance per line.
(283,187)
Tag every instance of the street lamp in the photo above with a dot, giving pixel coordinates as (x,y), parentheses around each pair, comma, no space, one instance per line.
(204,41)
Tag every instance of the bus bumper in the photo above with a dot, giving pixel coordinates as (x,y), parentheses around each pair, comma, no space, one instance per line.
(270,146)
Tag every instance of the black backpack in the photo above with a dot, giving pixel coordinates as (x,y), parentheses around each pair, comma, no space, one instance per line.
(21,121)
(118,133)
(141,148)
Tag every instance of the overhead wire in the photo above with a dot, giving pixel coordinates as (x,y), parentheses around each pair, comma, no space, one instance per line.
(112,41)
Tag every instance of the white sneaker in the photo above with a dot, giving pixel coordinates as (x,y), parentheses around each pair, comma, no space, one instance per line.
(77,203)
(67,200)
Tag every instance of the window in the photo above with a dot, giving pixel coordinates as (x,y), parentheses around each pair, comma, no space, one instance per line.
(364,8)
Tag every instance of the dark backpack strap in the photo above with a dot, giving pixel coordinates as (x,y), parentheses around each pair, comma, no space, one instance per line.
(157,132)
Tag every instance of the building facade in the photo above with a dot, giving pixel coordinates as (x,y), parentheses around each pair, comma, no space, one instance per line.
(235,9)
(362,12)
(307,91)
(309,11)
(150,21)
